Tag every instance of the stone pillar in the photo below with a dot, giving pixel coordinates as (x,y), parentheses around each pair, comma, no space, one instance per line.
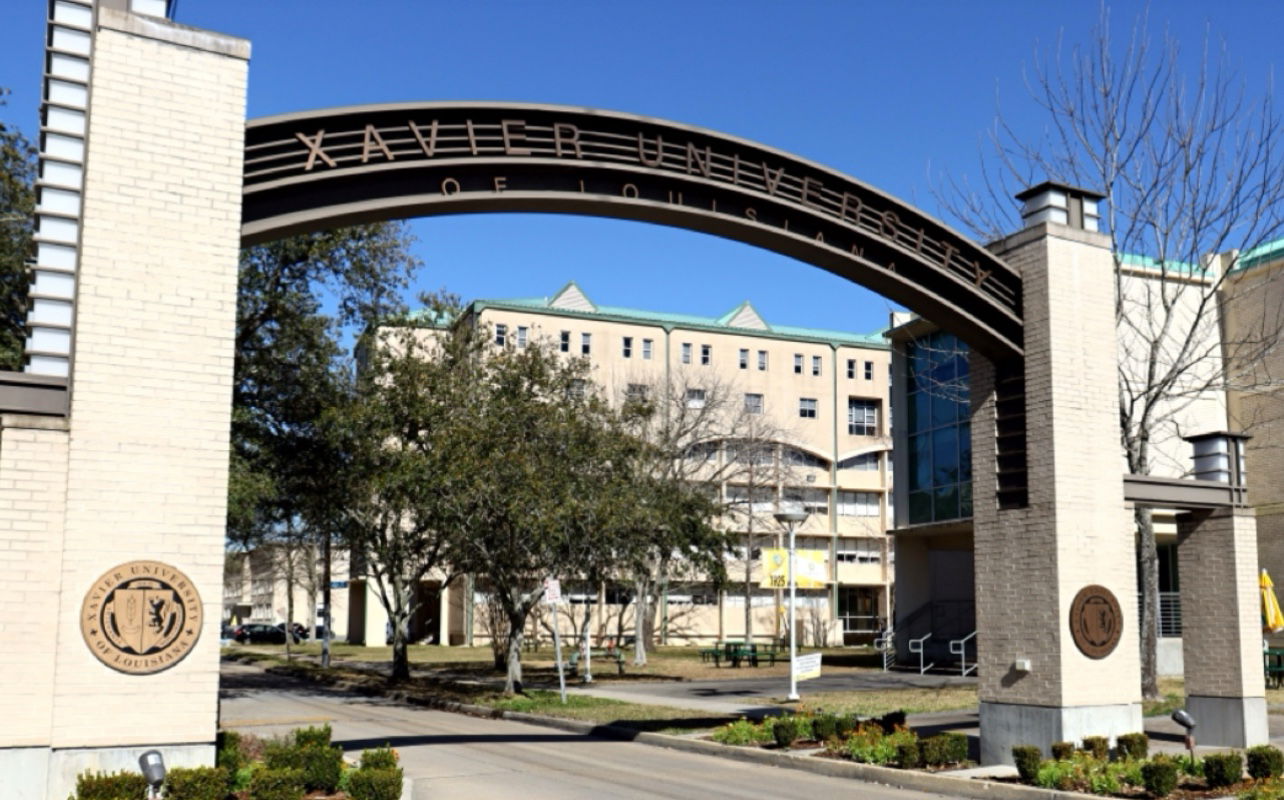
(137,472)
(1221,626)
(1036,686)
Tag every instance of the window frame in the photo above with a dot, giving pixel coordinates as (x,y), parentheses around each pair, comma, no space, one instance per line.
(808,407)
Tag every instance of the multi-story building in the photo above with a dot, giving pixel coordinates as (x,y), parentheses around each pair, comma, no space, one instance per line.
(808,411)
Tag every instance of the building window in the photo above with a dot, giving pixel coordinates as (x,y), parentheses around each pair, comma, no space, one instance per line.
(586,343)
(862,417)
(744,358)
(807,407)
(798,363)
(695,398)
(869,370)
(938,440)
(706,354)
(753,403)
(865,462)
(646,349)
(626,345)
(859,551)
(566,341)
(522,331)
(636,393)
(577,388)
(686,352)
(858,504)
(501,335)
(762,360)
(815,365)
(851,368)
(801,458)
(813,501)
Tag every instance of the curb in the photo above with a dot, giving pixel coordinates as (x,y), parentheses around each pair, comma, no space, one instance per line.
(868,773)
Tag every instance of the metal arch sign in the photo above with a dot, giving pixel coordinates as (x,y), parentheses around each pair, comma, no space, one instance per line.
(312,170)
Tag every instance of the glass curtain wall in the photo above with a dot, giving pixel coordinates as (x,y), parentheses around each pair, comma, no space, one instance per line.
(940,437)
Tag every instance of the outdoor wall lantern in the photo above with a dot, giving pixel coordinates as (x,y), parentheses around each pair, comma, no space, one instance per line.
(153,767)
(1183,718)
(1219,457)
(1061,203)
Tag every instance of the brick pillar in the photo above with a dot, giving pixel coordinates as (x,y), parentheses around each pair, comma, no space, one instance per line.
(1221,626)
(151,367)
(1075,531)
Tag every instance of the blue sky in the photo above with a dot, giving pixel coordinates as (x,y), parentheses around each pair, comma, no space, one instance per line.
(889,92)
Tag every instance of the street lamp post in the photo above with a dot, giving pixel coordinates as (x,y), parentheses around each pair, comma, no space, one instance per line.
(791,519)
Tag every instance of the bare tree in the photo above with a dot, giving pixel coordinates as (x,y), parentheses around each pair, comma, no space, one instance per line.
(1187,160)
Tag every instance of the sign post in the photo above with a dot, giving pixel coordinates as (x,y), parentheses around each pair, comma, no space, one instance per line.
(553,596)
(792,519)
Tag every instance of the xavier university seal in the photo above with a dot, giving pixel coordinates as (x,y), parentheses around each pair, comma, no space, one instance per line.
(1096,622)
(141,617)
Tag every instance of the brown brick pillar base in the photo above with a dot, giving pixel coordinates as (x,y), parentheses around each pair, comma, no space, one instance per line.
(1221,627)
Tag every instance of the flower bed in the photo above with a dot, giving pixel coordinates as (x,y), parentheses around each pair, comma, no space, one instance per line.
(303,763)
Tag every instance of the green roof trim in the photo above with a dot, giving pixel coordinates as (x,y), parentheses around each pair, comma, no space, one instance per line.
(687,321)
(1148,263)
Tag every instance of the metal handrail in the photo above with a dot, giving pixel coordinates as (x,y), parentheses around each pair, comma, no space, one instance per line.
(919,649)
(958,647)
(885,643)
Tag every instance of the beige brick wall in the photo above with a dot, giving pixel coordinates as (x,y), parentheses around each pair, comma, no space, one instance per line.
(147,463)
(1221,618)
(33,484)
(1031,562)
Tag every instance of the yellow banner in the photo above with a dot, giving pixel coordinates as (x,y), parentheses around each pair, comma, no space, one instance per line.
(811,568)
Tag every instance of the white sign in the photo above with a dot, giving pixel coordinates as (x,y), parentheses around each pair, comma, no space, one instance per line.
(807,667)
(552,591)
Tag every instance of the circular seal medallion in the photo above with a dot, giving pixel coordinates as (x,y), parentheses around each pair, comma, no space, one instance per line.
(1095,621)
(141,617)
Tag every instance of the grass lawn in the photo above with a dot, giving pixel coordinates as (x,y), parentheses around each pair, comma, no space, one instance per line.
(877,703)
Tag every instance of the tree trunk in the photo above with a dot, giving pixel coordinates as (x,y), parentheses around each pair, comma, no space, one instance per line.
(289,599)
(325,602)
(1148,580)
(749,583)
(639,626)
(399,617)
(516,631)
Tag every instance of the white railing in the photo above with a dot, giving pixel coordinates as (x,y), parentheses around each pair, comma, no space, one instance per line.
(958,647)
(885,643)
(916,646)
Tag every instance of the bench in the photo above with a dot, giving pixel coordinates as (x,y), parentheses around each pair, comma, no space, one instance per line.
(1273,664)
(597,654)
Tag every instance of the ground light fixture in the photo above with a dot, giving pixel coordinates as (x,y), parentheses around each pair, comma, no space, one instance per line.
(1183,718)
(153,767)
(791,518)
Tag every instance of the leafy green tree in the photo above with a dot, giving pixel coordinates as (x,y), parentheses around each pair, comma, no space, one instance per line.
(398,440)
(17,219)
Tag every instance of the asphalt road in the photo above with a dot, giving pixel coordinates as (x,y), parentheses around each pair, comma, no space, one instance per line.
(457,756)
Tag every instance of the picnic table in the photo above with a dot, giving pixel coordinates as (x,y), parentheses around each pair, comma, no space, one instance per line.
(613,654)
(736,653)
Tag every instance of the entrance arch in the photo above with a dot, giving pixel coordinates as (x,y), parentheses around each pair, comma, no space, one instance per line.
(312,170)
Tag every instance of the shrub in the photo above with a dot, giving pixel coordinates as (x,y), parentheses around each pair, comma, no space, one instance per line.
(845,725)
(322,767)
(1027,758)
(111,786)
(198,783)
(1062,751)
(276,784)
(909,755)
(1133,745)
(1264,761)
(945,748)
(1223,769)
(741,732)
(1267,790)
(386,758)
(281,754)
(305,737)
(803,726)
(869,744)
(824,727)
(784,731)
(1099,746)
(228,753)
(374,784)
(1159,777)
(1056,775)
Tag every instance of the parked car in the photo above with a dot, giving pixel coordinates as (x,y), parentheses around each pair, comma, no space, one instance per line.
(259,633)
(300,632)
